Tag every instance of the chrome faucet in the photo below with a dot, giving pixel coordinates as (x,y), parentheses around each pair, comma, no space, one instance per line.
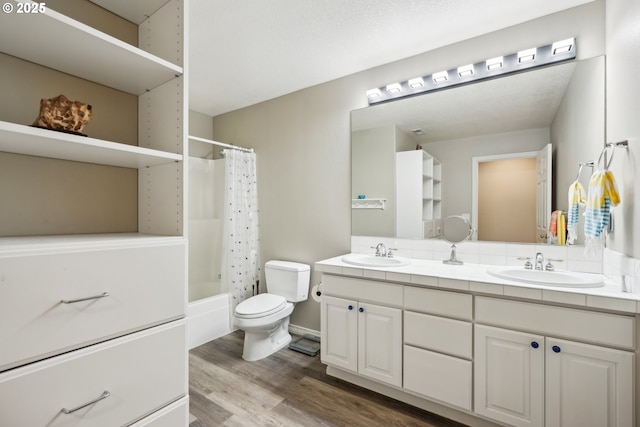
(539,261)
(381,249)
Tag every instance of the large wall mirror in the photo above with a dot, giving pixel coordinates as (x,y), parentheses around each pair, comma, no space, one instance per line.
(560,108)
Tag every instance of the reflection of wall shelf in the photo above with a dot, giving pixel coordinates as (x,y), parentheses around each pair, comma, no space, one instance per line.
(368,203)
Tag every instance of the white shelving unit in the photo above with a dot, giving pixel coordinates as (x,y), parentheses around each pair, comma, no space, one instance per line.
(99,284)
(418,192)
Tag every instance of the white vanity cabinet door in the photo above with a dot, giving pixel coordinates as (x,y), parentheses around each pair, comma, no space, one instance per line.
(588,385)
(363,338)
(380,343)
(509,376)
(339,332)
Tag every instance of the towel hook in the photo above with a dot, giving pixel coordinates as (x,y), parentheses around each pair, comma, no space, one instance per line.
(591,164)
(613,146)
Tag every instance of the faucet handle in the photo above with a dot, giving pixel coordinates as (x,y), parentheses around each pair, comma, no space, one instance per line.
(527,265)
(549,266)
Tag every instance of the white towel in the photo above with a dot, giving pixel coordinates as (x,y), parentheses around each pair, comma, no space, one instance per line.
(576,200)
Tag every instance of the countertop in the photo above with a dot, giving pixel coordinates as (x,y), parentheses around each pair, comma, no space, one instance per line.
(477,279)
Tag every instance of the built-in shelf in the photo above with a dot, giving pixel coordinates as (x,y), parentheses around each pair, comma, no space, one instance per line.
(61,40)
(135,11)
(19,244)
(368,203)
(31,141)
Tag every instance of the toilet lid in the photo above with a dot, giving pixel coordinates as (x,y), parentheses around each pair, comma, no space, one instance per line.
(260,305)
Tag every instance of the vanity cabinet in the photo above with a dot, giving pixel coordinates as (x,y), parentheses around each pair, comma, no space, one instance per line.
(438,347)
(92,305)
(525,376)
(360,334)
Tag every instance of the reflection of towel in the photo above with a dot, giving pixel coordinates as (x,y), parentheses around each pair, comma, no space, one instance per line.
(602,194)
(558,228)
(576,199)
(562,228)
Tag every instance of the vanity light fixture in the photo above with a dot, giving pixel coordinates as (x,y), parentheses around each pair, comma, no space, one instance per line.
(523,60)
(374,93)
(562,46)
(416,83)
(394,88)
(527,55)
(465,71)
(440,77)
(495,63)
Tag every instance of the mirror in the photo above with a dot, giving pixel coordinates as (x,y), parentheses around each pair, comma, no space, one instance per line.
(455,230)
(562,105)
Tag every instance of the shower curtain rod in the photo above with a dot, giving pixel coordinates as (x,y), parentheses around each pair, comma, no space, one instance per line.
(221,144)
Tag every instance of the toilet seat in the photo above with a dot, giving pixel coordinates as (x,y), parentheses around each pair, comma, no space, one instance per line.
(260,305)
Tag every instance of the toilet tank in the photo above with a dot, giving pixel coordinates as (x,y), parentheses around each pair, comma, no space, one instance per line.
(288,279)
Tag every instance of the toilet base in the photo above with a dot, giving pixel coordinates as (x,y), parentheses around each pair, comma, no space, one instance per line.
(260,343)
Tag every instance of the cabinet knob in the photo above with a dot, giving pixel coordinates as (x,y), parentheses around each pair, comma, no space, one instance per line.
(361,309)
(350,307)
(534,344)
(555,349)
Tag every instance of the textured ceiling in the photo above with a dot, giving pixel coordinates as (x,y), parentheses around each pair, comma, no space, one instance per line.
(243,52)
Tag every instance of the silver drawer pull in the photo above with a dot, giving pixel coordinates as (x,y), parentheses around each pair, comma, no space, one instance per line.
(71,301)
(104,395)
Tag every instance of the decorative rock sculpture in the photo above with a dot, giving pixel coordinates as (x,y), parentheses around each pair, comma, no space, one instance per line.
(61,114)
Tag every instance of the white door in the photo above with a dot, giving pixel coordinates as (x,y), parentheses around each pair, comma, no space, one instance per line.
(339,332)
(380,343)
(588,385)
(543,193)
(509,376)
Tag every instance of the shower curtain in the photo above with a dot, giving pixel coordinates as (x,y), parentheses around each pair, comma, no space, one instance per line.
(240,246)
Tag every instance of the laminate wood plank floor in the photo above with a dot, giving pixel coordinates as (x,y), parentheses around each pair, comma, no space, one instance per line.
(286,389)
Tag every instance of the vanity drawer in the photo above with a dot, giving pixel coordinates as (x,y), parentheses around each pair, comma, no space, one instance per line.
(145,286)
(438,333)
(441,303)
(438,376)
(590,326)
(362,290)
(176,414)
(142,372)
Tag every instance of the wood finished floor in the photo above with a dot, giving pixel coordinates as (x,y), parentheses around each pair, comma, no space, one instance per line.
(286,389)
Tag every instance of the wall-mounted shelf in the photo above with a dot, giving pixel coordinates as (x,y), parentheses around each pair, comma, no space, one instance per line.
(31,141)
(61,40)
(368,203)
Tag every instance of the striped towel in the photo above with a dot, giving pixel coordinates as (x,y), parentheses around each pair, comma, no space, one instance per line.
(576,199)
(602,195)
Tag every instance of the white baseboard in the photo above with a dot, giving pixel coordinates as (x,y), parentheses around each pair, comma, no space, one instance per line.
(299,330)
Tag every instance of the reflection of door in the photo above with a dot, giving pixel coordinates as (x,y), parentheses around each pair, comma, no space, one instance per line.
(543,193)
(506,196)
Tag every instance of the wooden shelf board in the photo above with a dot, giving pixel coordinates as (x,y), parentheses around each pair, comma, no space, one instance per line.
(74,48)
(27,140)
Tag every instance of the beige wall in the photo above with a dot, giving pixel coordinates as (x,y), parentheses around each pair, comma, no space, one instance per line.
(623,113)
(304,149)
(507,200)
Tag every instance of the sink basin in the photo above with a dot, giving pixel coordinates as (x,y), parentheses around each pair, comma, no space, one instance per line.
(565,279)
(374,261)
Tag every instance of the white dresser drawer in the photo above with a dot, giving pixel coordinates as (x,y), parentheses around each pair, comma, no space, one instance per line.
(437,376)
(145,286)
(438,334)
(441,303)
(142,372)
(583,325)
(176,414)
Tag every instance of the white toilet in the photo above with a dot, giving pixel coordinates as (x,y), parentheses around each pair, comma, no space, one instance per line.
(265,317)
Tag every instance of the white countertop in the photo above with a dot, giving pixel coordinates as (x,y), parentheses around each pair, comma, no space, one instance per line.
(476,278)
